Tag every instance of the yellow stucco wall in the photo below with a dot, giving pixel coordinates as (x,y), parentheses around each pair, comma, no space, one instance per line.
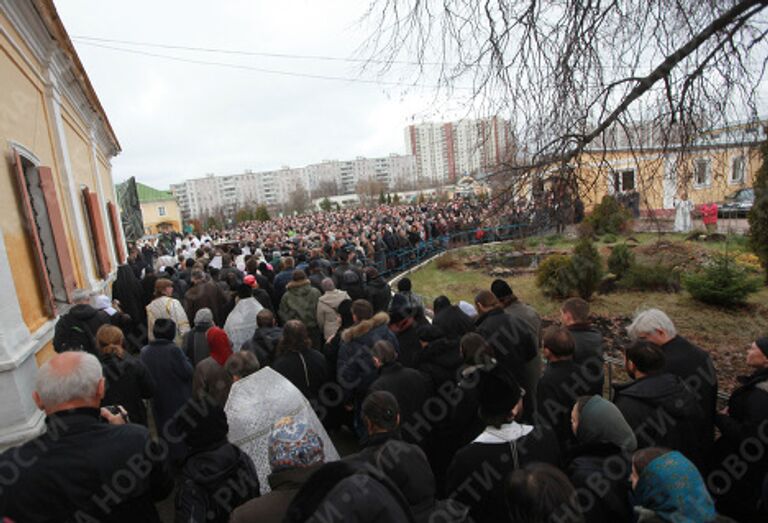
(595,173)
(149,211)
(25,119)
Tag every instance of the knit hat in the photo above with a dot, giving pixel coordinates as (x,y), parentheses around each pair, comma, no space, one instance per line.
(221,348)
(501,289)
(601,421)
(498,392)
(762,344)
(204,425)
(292,444)
(204,315)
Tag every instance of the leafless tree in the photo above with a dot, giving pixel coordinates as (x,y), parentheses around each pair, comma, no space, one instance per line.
(326,188)
(579,77)
(298,200)
(368,190)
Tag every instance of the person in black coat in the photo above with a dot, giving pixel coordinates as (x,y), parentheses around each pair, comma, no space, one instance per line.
(660,408)
(70,466)
(216,476)
(302,365)
(683,359)
(194,343)
(743,421)
(265,338)
(599,464)
(439,357)
(405,324)
(378,291)
(76,330)
(451,319)
(129,294)
(404,463)
(172,373)
(410,387)
(478,471)
(561,384)
(588,354)
(513,344)
(128,382)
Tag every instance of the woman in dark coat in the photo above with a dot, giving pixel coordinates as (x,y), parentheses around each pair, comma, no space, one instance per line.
(302,365)
(439,358)
(378,291)
(128,381)
(172,374)
(745,419)
(601,457)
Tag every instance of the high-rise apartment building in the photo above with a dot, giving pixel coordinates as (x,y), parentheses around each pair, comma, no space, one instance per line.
(447,151)
(210,194)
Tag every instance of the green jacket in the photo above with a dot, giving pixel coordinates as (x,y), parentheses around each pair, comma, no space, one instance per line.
(300,303)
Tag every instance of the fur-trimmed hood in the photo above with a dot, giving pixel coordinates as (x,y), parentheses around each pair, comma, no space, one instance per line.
(294,284)
(364,327)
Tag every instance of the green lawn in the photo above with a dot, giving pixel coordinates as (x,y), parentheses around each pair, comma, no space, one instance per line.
(725,333)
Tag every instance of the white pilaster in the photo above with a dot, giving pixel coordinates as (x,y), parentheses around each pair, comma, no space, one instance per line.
(53,100)
(20,417)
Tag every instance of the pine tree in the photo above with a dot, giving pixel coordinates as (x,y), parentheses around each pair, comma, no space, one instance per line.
(326,204)
(758,216)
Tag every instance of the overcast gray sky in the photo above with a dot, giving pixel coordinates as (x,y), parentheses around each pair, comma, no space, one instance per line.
(178,120)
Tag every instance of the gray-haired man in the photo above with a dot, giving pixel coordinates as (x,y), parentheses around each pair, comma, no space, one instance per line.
(89,465)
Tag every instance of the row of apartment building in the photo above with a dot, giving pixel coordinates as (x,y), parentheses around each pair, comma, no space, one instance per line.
(437,154)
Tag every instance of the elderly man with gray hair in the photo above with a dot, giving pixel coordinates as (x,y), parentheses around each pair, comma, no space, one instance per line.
(76,330)
(683,358)
(90,465)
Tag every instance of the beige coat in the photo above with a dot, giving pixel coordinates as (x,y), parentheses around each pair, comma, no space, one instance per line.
(327,312)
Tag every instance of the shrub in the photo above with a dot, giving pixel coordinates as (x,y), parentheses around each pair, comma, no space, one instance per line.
(448,262)
(620,260)
(552,239)
(609,238)
(609,217)
(554,276)
(722,282)
(657,277)
(587,267)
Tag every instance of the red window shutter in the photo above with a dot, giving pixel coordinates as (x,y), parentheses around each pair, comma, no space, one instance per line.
(31,226)
(57,228)
(114,219)
(97,231)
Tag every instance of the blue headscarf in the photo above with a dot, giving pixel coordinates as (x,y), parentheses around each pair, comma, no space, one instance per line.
(673,488)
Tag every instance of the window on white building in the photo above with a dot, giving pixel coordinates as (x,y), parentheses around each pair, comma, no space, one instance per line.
(161,211)
(702,174)
(624,180)
(737,170)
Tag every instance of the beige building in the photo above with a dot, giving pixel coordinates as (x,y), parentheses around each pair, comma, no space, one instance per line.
(159,210)
(60,228)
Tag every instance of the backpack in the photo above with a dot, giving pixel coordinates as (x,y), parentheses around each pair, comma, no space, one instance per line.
(73,334)
(213,502)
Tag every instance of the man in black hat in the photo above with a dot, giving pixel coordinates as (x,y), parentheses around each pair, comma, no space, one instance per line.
(478,471)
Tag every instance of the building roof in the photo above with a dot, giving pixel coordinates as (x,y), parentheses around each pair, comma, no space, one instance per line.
(150,194)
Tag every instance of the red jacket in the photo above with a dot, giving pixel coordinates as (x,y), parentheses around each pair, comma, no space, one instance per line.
(709,213)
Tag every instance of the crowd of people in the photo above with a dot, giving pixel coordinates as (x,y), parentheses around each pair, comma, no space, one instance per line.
(256,353)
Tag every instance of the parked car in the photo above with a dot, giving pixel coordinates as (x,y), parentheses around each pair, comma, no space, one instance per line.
(737,204)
